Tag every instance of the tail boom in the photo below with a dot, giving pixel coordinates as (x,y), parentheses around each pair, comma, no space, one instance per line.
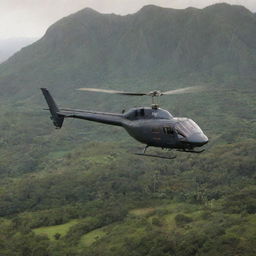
(58,115)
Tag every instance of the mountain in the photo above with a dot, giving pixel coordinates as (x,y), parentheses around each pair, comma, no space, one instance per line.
(155,44)
(12,45)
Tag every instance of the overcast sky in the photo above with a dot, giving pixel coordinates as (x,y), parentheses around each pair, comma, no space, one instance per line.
(31,18)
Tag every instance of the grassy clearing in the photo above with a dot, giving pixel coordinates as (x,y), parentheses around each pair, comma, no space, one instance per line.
(58,154)
(142,211)
(169,221)
(121,234)
(52,230)
(91,237)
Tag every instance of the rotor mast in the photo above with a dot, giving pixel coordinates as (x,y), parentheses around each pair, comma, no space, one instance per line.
(154,95)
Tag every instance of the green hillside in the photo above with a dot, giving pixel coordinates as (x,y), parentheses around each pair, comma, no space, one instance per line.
(81,190)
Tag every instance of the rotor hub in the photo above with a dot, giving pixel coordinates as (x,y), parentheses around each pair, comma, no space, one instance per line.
(155,93)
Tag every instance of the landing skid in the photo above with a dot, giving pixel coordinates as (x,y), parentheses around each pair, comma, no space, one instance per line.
(191,151)
(152,155)
(156,156)
(169,157)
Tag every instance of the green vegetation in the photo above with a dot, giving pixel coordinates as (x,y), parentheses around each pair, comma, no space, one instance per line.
(51,231)
(80,190)
(91,237)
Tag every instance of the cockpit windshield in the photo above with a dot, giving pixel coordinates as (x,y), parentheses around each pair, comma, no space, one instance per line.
(187,127)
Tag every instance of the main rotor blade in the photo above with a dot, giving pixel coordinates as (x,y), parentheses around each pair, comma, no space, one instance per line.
(184,90)
(111,91)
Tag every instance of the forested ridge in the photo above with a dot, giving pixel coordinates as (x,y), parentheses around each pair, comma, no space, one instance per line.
(81,190)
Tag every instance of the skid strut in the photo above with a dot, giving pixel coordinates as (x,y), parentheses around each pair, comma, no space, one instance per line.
(152,155)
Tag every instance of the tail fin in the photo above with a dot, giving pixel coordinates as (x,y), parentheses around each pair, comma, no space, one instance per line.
(56,118)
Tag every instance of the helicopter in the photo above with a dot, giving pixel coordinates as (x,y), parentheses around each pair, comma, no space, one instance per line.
(152,126)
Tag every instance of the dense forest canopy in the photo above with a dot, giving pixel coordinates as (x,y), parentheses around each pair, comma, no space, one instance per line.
(81,190)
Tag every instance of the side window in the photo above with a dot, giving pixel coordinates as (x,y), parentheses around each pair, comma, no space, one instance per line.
(168,130)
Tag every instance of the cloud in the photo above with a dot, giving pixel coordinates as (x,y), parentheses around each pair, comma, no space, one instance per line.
(31,18)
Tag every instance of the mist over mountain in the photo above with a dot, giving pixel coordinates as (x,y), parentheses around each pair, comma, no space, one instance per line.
(12,45)
(155,44)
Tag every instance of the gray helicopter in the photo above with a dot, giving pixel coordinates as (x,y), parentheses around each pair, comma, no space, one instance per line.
(152,126)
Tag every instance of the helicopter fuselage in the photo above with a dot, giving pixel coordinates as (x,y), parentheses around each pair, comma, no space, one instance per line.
(158,128)
(151,126)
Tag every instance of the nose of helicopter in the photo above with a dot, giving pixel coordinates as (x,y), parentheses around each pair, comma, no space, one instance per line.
(197,139)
